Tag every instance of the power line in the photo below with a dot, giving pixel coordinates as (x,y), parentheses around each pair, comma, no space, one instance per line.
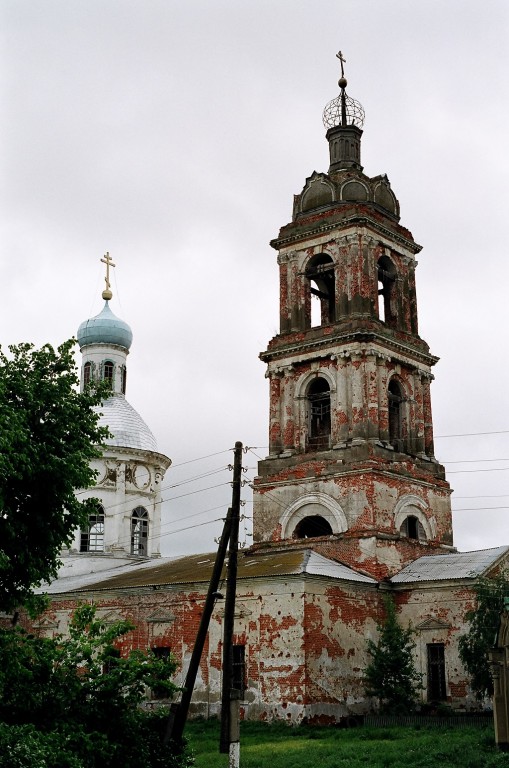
(471,461)
(200,490)
(476,509)
(201,458)
(484,496)
(195,478)
(475,471)
(473,434)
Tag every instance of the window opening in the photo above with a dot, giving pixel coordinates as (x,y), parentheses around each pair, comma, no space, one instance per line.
(395,400)
(111,660)
(239,669)
(108,372)
(436,672)
(92,538)
(320,273)
(124,379)
(87,373)
(386,275)
(319,414)
(413,528)
(162,652)
(139,532)
(311,527)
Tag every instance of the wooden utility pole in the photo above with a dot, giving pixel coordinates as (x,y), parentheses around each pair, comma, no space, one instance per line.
(229,741)
(178,715)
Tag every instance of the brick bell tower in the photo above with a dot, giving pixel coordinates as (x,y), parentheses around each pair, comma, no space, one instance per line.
(351,467)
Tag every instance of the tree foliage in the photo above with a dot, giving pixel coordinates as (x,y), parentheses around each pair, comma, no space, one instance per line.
(74,703)
(48,434)
(391,675)
(484,619)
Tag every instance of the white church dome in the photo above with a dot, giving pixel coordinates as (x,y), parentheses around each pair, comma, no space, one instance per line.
(127,428)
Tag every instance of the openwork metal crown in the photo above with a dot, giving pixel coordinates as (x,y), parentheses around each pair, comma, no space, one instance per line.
(354,112)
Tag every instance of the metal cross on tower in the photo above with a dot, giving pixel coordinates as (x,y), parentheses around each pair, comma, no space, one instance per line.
(106,259)
(342,60)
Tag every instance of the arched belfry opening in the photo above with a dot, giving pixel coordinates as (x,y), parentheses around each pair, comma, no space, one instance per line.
(311,527)
(395,403)
(386,276)
(319,400)
(320,276)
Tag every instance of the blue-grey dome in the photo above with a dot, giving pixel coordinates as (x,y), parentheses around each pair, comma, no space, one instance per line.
(105,328)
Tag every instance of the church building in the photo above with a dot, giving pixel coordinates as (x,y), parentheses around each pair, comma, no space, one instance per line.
(350,503)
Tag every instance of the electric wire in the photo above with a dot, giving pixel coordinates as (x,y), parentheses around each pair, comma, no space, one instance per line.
(473,434)
(250,481)
(201,458)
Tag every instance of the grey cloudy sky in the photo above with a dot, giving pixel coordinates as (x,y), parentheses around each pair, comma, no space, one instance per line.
(174,134)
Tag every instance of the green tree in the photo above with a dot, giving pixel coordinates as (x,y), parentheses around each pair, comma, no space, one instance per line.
(391,675)
(48,434)
(75,703)
(484,619)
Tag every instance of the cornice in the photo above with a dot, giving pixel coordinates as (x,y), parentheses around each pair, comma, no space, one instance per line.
(149,457)
(317,346)
(355,220)
(347,472)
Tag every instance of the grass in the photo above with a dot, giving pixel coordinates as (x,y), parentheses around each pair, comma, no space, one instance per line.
(281,746)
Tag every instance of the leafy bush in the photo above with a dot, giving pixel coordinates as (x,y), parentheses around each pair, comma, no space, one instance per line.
(484,621)
(75,703)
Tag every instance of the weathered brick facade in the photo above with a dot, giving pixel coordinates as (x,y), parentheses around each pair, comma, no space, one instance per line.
(350,502)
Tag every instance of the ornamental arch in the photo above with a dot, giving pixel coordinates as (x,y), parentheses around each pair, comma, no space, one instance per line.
(311,514)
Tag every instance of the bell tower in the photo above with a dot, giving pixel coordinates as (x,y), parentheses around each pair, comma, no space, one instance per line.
(351,467)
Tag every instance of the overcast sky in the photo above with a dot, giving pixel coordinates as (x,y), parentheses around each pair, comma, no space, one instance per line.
(173,134)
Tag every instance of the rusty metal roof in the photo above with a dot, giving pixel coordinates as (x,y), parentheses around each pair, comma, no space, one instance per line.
(456,565)
(197,569)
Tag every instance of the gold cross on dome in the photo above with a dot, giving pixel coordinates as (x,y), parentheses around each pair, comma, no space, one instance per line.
(106,259)
(342,60)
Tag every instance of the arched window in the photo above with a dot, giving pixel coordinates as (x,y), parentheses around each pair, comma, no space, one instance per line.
(108,368)
(319,414)
(320,273)
(386,285)
(395,400)
(87,374)
(413,528)
(311,527)
(124,379)
(139,532)
(92,538)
